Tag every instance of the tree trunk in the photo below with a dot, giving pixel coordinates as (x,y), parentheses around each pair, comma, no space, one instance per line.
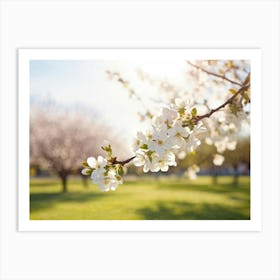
(236,175)
(235,179)
(64,182)
(85,181)
(215,179)
(215,176)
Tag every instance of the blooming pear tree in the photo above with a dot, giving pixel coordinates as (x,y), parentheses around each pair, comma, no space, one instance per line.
(186,119)
(59,140)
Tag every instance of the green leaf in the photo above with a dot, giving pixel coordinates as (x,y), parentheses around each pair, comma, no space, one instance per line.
(149,154)
(233,108)
(246,97)
(194,112)
(120,171)
(88,172)
(232,91)
(144,147)
(108,149)
(118,177)
(181,111)
(85,164)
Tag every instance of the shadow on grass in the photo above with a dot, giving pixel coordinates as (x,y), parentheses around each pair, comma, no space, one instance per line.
(192,211)
(221,188)
(39,201)
(48,183)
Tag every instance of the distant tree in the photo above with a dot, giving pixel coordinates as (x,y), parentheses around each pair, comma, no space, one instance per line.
(239,159)
(60,140)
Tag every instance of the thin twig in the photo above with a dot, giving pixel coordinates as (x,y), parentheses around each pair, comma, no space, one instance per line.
(115,161)
(229,101)
(127,86)
(214,74)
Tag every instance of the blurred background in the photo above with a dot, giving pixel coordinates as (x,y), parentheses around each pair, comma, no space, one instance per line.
(77,104)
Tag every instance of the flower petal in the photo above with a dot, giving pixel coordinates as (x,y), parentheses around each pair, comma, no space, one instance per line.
(91,161)
(85,171)
(164,168)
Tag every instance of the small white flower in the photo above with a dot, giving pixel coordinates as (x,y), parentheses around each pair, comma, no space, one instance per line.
(200,129)
(96,163)
(177,134)
(106,179)
(142,159)
(218,159)
(192,143)
(178,129)
(182,154)
(108,183)
(86,171)
(97,174)
(182,103)
(220,145)
(162,163)
(91,161)
(208,141)
(148,136)
(169,115)
(139,141)
(99,168)
(158,121)
(192,171)
(231,145)
(160,143)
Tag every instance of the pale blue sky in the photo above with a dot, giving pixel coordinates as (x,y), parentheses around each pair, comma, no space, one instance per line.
(84,82)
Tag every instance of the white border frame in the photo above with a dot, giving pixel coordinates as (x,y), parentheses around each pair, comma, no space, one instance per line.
(25,224)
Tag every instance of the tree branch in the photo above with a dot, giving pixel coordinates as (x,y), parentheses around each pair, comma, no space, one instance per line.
(197,119)
(213,74)
(240,91)
(115,161)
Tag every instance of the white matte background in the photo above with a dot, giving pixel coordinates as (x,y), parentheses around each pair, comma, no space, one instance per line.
(191,255)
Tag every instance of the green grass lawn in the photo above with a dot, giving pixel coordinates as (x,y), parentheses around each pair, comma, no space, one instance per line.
(143,199)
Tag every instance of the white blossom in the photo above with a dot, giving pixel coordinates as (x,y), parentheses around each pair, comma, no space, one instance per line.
(192,143)
(139,140)
(142,159)
(96,163)
(162,163)
(169,115)
(102,174)
(184,104)
(182,154)
(160,141)
(86,171)
(218,159)
(177,134)
(231,145)
(107,182)
(192,171)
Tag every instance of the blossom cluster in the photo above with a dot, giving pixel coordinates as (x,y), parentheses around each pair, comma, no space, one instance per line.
(172,131)
(104,172)
(222,131)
